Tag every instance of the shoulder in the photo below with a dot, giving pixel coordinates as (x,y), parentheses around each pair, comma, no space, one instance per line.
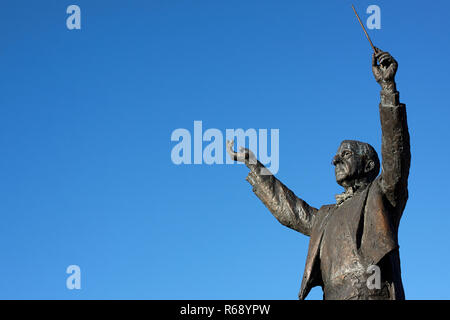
(376,186)
(376,195)
(321,214)
(326,207)
(324,210)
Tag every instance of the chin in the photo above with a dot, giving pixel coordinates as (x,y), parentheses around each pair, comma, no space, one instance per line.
(340,181)
(344,180)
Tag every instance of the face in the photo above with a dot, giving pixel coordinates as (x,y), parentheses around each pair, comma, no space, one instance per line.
(348,164)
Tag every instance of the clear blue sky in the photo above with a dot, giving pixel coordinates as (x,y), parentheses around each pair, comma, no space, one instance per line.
(86,118)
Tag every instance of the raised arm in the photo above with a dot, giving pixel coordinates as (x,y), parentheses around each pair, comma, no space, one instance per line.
(395,148)
(285,206)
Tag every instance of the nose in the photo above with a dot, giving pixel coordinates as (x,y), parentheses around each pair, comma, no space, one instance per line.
(336,159)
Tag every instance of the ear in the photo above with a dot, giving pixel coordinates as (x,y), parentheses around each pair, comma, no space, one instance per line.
(369,166)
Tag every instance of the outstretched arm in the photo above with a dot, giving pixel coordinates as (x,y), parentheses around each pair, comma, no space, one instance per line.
(285,206)
(395,148)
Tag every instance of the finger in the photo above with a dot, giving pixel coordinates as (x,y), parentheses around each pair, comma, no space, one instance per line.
(386,61)
(230,149)
(374,60)
(233,155)
(384,55)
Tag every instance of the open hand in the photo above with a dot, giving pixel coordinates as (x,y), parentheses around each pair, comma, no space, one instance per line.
(244,155)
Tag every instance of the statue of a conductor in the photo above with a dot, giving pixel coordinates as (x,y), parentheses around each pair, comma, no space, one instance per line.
(360,230)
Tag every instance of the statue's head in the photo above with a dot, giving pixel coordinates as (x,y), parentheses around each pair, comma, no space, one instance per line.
(355,162)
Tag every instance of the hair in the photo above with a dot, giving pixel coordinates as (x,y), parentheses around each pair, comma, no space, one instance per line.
(367,152)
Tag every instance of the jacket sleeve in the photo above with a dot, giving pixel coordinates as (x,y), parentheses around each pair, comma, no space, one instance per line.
(395,150)
(285,206)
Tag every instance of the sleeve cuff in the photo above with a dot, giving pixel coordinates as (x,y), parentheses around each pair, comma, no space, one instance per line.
(391,99)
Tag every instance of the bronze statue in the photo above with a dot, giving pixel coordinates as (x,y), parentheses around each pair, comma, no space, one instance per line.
(361,229)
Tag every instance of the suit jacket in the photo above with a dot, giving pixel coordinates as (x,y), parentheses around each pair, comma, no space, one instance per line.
(375,212)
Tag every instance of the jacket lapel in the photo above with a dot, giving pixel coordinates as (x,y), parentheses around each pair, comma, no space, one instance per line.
(312,257)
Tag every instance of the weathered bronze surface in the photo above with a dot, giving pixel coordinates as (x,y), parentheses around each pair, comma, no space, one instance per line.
(361,229)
